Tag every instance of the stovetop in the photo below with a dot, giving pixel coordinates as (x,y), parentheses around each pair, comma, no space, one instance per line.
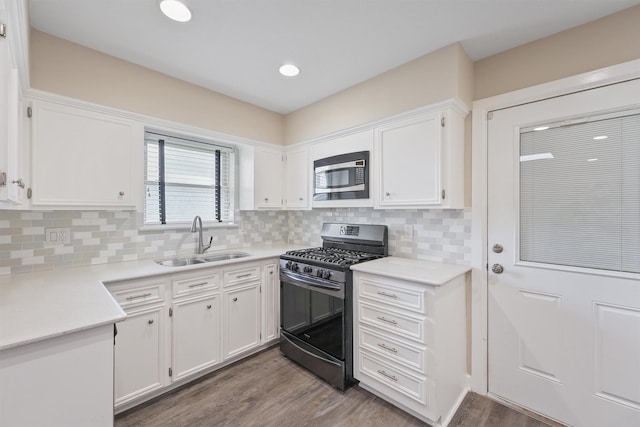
(338,257)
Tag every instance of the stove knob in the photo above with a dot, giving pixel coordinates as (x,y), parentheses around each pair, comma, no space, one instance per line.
(288,265)
(326,274)
(319,272)
(308,269)
(294,267)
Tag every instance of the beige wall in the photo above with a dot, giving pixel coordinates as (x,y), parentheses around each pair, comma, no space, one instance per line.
(438,76)
(607,41)
(69,69)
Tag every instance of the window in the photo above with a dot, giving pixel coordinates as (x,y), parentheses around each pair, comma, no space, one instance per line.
(185,178)
(579,197)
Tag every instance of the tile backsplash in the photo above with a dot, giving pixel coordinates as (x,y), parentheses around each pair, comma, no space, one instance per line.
(98,237)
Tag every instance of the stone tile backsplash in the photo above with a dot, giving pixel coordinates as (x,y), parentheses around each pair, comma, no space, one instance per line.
(98,237)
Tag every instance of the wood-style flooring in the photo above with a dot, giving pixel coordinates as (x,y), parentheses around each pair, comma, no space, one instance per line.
(271,391)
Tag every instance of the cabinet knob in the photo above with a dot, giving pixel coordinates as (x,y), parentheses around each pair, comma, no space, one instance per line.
(266,199)
(208,306)
(387,194)
(300,198)
(235,299)
(150,321)
(121,193)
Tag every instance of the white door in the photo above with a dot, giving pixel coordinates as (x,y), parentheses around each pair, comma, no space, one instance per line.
(564,205)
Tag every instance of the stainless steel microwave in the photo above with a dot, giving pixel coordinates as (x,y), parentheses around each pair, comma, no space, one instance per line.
(345,176)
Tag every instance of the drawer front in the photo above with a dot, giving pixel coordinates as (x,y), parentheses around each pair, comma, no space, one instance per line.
(196,284)
(406,297)
(396,323)
(149,293)
(241,275)
(414,357)
(386,374)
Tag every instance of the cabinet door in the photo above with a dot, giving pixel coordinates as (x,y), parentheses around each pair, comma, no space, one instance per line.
(242,319)
(270,303)
(196,335)
(297,180)
(82,158)
(409,171)
(268,179)
(140,366)
(12,189)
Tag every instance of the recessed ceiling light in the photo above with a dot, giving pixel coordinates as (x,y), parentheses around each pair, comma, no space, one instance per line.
(541,128)
(289,70)
(597,138)
(176,10)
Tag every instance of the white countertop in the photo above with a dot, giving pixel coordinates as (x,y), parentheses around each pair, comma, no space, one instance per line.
(425,272)
(38,306)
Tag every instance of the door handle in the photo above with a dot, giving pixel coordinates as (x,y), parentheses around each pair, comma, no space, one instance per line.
(497,268)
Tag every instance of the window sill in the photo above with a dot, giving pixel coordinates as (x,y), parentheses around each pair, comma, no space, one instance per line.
(187,226)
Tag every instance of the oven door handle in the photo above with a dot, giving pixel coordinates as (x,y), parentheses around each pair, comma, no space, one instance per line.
(309,281)
(316,356)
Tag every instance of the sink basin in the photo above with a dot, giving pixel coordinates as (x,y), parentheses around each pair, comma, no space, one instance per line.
(225,256)
(183,261)
(179,262)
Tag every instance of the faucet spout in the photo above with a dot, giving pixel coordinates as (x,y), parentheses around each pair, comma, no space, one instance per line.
(196,226)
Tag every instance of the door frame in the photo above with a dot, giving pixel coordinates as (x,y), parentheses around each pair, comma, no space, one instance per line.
(479,238)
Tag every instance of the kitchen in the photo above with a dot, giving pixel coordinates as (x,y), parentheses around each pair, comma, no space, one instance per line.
(111,236)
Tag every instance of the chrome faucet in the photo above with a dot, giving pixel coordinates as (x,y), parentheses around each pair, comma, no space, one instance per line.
(197,222)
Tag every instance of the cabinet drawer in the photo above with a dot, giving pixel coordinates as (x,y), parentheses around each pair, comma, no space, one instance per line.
(139,295)
(241,275)
(417,358)
(386,374)
(396,323)
(405,297)
(195,284)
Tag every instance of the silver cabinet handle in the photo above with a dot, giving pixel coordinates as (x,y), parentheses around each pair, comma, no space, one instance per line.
(235,299)
(198,284)
(393,350)
(384,294)
(139,296)
(150,322)
(391,377)
(242,276)
(393,322)
(208,306)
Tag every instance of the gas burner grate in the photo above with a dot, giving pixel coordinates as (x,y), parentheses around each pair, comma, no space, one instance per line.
(335,256)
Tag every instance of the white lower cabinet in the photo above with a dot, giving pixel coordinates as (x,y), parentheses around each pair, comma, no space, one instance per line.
(139,354)
(196,335)
(181,326)
(410,343)
(242,319)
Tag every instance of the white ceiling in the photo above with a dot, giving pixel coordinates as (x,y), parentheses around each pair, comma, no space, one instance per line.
(236,46)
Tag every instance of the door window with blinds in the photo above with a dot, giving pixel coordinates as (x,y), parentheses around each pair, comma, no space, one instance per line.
(185,178)
(580,193)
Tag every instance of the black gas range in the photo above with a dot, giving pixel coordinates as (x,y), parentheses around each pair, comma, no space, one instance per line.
(316,299)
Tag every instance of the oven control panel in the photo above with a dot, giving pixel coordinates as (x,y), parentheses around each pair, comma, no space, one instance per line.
(312,270)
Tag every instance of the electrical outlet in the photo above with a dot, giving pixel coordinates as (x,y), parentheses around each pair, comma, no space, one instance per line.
(57,236)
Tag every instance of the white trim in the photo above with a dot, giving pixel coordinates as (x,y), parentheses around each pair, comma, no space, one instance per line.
(18,27)
(481,108)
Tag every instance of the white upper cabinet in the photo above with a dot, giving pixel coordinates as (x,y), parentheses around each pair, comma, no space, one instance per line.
(297,179)
(261,178)
(83,158)
(420,161)
(12,181)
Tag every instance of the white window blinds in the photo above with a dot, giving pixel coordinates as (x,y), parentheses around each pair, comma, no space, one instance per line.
(185,178)
(580,194)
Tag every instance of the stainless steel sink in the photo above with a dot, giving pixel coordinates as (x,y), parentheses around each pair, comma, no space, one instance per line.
(179,262)
(225,256)
(183,261)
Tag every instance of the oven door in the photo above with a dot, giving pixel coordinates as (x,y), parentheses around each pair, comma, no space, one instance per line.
(313,326)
